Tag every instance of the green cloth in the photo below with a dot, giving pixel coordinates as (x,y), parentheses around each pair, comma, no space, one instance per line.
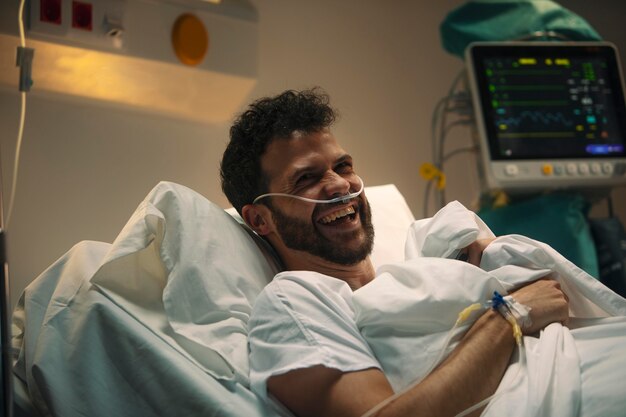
(506,20)
(560,220)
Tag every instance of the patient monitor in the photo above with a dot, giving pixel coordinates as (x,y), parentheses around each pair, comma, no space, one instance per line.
(549,115)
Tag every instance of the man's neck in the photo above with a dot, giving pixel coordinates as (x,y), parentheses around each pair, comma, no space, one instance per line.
(355,276)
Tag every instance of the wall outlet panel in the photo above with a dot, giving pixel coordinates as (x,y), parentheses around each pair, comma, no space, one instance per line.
(143,29)
(82,23)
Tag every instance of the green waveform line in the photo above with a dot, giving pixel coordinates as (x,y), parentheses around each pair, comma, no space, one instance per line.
(538,87)
(536,135)
(528,72)
(512,103)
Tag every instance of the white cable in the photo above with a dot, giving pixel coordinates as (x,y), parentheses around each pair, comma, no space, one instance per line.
(439,108)
(522,363)
(16,164)
(438,130)
(432,366)
(429,185)
(433,127)
(20,133)
(472,148)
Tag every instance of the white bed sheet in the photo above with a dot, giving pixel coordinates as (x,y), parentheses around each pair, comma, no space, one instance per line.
(88,357)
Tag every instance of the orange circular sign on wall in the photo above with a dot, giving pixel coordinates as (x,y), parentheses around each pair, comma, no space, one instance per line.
(190,39)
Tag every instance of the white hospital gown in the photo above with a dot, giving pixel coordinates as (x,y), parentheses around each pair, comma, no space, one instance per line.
(303,319)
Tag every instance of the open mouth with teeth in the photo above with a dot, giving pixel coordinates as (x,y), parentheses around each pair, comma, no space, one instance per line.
(340,216)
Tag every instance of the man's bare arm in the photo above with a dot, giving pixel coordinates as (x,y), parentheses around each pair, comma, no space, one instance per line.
(471,373)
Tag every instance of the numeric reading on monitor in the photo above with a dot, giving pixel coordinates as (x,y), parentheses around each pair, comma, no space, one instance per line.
(549,114)
(551,105)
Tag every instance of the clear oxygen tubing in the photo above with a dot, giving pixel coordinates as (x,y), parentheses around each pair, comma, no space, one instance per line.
(342,199)
(505,311)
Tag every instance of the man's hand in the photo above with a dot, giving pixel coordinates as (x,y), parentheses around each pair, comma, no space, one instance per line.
(475,250)
(547,302)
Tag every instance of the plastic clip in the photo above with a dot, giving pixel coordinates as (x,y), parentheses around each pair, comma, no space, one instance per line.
(25,62)
(430,172)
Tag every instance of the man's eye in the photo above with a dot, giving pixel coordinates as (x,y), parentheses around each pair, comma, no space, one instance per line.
(303,179)
(344,167)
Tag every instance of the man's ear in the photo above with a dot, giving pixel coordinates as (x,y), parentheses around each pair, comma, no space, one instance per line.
(258,218)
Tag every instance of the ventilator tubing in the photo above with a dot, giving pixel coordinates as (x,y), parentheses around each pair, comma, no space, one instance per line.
(343,199)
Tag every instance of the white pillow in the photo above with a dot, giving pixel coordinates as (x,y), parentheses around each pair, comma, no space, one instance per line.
(391,217)
(190,272)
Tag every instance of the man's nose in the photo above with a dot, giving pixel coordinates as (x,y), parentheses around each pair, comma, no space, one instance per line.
(336,185)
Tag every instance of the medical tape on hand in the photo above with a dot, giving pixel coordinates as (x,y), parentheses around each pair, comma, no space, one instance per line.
(520,311)
(516,316)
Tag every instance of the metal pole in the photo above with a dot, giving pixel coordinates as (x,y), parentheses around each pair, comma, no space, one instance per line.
(5,329)
(6,362)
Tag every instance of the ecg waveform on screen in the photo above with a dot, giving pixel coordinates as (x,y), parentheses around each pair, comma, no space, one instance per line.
(537,117)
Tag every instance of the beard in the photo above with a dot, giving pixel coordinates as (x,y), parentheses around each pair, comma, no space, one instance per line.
(302,235)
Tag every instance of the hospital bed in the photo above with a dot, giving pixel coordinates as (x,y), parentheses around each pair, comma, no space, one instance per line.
(154,324)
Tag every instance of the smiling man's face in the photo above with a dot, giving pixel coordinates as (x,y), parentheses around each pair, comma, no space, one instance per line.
(315,166)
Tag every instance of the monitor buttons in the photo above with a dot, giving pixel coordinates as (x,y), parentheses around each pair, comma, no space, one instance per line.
(571,169)
(547,169)
(511,170)
(607,168)
(596,168)
(558,170)
(583,169)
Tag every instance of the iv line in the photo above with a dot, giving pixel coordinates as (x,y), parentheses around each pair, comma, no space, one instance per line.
(24,57)
(462,317)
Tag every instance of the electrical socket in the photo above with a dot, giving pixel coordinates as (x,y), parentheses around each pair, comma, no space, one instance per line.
(95,24)
(50,11)
(82,15)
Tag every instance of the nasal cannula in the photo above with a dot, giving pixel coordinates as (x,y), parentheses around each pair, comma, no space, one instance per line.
(343,198)
(506,306)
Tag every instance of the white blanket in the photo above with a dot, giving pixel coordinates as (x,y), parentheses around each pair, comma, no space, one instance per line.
(567,373)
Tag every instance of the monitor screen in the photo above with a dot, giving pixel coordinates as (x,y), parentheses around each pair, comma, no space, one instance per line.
(549,114)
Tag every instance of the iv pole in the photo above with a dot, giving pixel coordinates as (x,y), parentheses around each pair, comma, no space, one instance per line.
(7,381)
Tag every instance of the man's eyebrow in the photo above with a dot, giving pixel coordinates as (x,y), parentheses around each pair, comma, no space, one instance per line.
(293,176)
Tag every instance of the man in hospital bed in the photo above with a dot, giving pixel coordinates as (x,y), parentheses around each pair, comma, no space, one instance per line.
(320,342)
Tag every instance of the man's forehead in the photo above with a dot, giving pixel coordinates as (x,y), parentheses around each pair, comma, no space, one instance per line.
(300,151)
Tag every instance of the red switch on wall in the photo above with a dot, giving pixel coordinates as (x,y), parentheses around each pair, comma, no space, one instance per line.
(50,11)
(82,15)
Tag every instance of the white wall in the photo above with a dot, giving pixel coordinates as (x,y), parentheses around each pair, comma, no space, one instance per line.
(85,166)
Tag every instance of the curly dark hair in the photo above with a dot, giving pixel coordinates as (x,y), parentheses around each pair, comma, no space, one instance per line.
(268,119)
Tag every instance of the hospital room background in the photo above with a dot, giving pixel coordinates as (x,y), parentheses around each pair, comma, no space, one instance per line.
(89,158)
